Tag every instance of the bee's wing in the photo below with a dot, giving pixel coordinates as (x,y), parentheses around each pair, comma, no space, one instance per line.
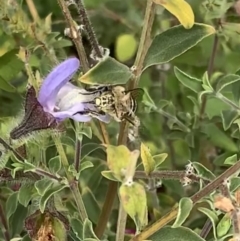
(129,119)
(136,93)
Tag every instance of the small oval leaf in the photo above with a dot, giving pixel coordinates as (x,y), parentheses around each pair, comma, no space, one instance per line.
(184,209)
(174,42)
(188,81)
(147,159)
(107,71)
(180,9)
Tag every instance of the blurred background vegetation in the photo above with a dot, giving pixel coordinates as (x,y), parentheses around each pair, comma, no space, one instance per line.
(39,26)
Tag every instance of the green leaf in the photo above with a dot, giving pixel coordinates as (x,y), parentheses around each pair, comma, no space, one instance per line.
(213,218)
(184,209)
(203,171)
(118,159)
(55,164)
(206,82)
(60,232)
(188,81)
(25,194)
(55,188)
(109,175)
(228,117)
(147,159)
(4,85)
(16,220)
(107,71)
(219,138)
(224,225)
(43,185)
(91,205)
(85,165)
(134,200)
(11,204)
(231,160)
(159,159)
(147,100)
(234,184)
(77,227)
(175,234)
(202,93)
(88,148)
(85,130)
(174,42)
(180,9)
(10,65)
(126,46)
(227,80)
(88,230)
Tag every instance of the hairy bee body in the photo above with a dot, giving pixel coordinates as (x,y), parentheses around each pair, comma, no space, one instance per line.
(118,103)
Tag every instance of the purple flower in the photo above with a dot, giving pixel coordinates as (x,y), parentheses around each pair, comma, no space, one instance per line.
(64,100)
(57,100)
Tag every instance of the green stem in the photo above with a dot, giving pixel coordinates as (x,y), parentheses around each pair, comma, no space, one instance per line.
(121,224)
(79,201)
(75,35)
(73,184)
(144,44)
(145,39)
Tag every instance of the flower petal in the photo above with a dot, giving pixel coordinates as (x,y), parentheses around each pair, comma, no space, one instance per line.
(55,80)
(72,113)
(104,118)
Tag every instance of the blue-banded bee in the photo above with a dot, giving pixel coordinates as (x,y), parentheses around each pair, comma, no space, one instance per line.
(118,102)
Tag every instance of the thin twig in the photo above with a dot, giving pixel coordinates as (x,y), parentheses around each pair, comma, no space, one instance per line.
(209,188)
(210,72)
(73,184)
(145,41)
(75,35)
(33,11)
(206,229)
(78,149)
(121,224)
(47,174)
(88,27)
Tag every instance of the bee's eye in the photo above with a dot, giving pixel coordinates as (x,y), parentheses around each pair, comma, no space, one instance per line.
(98,101)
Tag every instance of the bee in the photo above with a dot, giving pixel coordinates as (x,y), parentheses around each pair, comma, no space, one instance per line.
(119,103)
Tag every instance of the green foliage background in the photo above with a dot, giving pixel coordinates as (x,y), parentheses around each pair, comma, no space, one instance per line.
(212,137)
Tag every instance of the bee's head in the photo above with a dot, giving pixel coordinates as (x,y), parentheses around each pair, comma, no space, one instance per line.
(119,89)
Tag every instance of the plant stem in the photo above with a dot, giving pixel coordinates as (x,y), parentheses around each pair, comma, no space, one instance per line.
(77,39)
(144,44)
(33,11)
(170,216)
(121,224)
(209,71)
(145,40)
(78,149)
(79,201)
(75,35)
(47,174)
(89,30)
(107,208)
(73,184)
